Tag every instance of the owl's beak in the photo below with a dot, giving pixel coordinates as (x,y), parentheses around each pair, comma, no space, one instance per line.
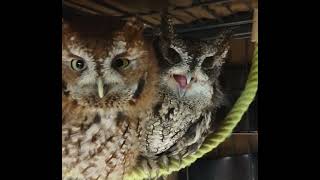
(183,82)
(181,92)
(189,77)
(100,86)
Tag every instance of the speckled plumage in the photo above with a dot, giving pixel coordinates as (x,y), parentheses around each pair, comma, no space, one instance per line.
(109,77)
(183,117)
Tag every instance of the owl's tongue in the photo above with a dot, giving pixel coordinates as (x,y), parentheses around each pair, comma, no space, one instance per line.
(181,80)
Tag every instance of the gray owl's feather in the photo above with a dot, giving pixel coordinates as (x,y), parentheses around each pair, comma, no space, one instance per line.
(190,94)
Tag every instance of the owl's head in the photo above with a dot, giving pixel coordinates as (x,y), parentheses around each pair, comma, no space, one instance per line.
(190,68)
(106,63)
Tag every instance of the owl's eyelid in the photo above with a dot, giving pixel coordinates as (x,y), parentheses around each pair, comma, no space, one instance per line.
(120,56)
(124,57)
(74,57)
(131,60)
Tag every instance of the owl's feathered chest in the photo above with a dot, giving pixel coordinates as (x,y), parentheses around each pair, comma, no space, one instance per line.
(102,146)
(167,123)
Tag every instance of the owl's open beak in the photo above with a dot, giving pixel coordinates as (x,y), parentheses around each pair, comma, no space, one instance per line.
(181,92)
(100,86)
(183,82)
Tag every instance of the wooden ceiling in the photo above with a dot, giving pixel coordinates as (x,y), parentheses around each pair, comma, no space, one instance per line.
(187,14)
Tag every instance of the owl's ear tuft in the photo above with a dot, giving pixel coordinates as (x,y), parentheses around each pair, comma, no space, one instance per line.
(65,25)
(221,45)
(167,27)
(133,24)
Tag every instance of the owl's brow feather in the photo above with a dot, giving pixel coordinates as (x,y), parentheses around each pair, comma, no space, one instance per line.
(98,67)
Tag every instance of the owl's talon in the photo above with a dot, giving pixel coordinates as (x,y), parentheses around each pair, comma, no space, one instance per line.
(164,160)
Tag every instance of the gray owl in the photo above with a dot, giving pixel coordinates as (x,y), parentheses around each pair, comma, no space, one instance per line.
(190,94)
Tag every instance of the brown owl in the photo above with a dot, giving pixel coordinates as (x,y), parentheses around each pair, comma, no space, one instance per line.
(109,76)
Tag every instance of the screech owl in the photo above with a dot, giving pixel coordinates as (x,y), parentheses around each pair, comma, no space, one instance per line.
(109,76)
(190,94)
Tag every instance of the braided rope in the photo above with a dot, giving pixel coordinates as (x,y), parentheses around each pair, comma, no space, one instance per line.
(226,128)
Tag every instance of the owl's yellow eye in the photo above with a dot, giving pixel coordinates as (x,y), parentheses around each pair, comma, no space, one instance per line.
(120,63)
(78,64)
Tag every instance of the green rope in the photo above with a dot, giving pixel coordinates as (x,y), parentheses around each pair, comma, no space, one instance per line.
(224,131)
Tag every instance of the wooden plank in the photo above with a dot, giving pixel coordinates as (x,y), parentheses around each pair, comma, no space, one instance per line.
(183,16)
(213,13)
(251,50)
(200,13)
(177,21)
(180,3)
(254,3)
(238,51)
(206,3)
(251,4)
(97,7)
(254,37)
(80,8)
(132,6)
(220,10)
(157,18)
(239,7)
(150,19)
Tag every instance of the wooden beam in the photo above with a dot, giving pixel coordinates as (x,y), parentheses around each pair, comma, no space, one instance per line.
(213,13)
(127,14)
(211,2)
(80,8)
(254,37)
(94,6)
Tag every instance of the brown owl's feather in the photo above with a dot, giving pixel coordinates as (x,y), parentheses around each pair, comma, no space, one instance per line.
(100,134)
